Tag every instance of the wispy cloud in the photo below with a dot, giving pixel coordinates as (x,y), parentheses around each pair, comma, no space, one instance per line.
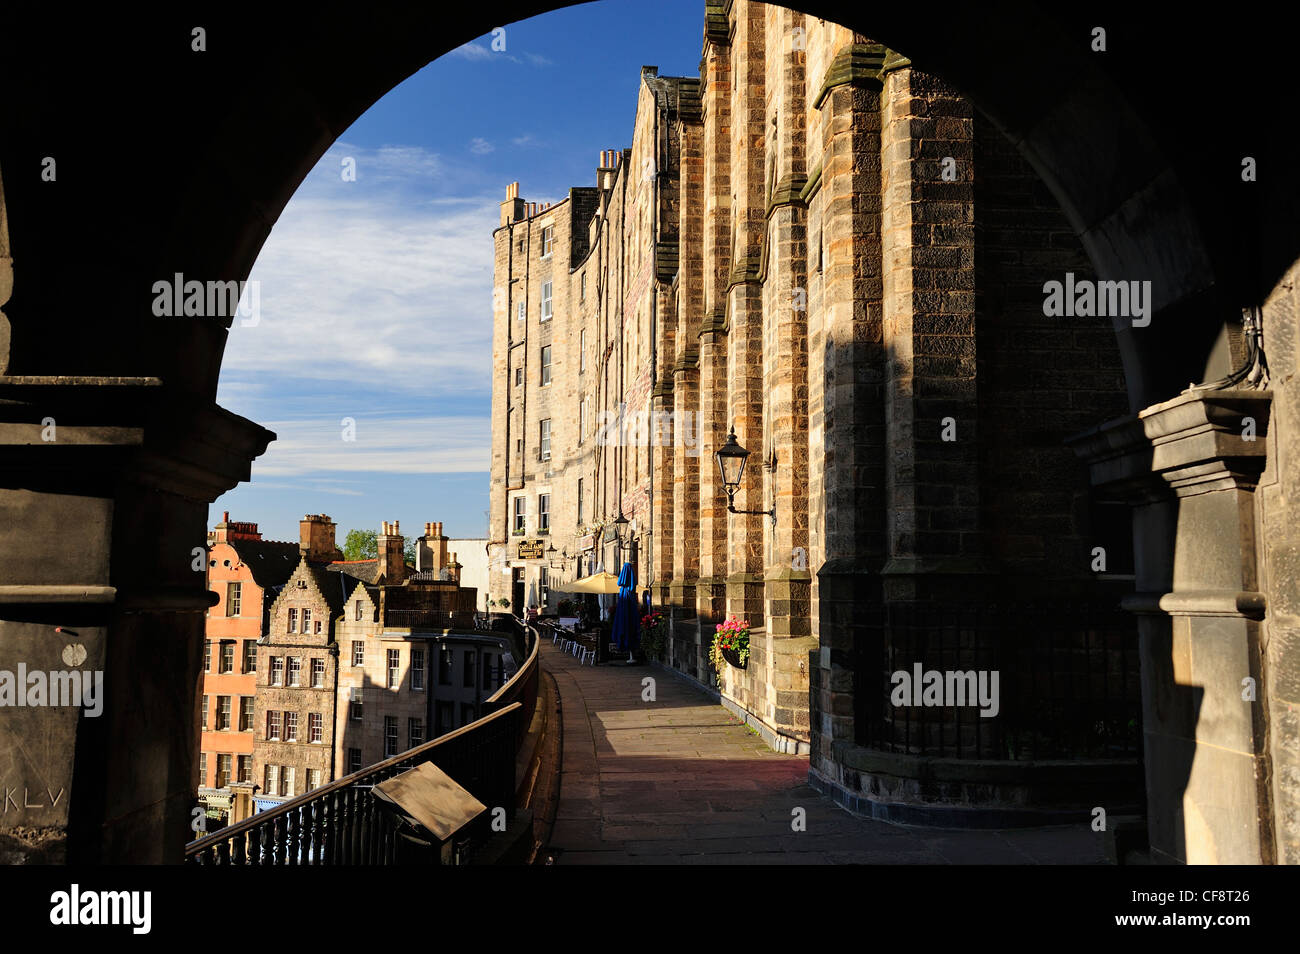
(480,52)
(392,445)
(480,146)
(375,281)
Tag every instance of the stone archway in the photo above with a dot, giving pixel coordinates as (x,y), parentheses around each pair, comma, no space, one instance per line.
(210,161)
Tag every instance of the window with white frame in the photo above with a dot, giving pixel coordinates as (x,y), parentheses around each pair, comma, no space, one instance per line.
(291,727)
(234,594)
(287,780)
(354,710)
(295,670)
(207,655)
(227,661)
(318,673)
(315,727)
(414,732)
(313,779)
(546,366)
(522,309)
(543,585)
(543,513)
(582,350)
(272,779)
(546,301)
(354,761)
(223,771)
(245,713)
(358,650)
(203,768)
(272,726)
(205,713)
(223,715)
(245,766)
(582,420)
(546,439)
(394,658)
(306,621)
(417,669)
(277,670)
(548,237)
(293,620)
(580,501)
(519,376)
(521,514)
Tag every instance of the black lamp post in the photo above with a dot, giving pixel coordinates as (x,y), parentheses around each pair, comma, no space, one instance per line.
(731,462)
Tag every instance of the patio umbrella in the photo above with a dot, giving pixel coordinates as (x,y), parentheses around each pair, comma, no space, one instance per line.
(626,631)
(596,583)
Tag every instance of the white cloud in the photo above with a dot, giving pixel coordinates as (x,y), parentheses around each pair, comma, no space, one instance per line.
(471,51)
(480,146)
(375,282)
(407,445)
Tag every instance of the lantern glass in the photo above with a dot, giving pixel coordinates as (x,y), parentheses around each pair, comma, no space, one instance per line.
(731,462)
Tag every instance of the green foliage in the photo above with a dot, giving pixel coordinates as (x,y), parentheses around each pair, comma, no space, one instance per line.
(361,545)
(733,634)
(409,553)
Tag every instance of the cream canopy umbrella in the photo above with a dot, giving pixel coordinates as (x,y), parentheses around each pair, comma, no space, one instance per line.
(596,583)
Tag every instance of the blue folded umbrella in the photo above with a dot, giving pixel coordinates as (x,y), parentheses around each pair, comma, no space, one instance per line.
(627,625)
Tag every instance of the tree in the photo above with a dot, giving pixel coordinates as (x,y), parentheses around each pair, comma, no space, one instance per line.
(409,553)
(361,545)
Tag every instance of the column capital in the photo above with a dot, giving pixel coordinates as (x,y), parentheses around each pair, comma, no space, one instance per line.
(1193,444)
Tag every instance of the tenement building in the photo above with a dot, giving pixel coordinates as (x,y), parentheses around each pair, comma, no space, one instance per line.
(246,572)
(830,252)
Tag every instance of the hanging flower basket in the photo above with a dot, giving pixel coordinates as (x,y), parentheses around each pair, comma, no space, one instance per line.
(732,656)
(731,644)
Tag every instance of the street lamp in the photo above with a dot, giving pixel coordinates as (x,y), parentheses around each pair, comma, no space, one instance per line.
(731,462)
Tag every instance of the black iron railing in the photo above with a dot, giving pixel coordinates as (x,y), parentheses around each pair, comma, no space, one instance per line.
(1067,681)
(343,824)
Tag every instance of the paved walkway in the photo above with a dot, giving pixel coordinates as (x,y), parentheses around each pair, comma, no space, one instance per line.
(682,781)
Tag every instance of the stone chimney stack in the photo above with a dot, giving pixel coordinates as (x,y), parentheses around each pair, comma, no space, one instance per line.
(512,209)
(431,553)
(392,562)
(316,538)
(229,530)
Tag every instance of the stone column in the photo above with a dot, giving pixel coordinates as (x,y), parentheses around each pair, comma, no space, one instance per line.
(103,510)
(845,384)
(710,591)
(1191,474)
(927,228)
(745,399)
(685,368)
(787,580)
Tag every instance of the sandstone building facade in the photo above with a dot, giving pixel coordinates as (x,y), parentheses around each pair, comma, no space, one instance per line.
(833,253)
(246,573)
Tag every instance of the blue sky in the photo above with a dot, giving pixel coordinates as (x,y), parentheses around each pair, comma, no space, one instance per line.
(381,288)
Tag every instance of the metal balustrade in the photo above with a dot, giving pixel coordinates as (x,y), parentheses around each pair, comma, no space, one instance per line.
(342,823)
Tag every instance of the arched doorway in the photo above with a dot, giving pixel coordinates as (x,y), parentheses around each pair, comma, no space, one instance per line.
(152,448)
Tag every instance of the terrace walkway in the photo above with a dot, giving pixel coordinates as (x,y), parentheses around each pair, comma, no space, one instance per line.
(681,781)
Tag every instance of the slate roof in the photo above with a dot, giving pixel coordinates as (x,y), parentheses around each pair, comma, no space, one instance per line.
(270,561)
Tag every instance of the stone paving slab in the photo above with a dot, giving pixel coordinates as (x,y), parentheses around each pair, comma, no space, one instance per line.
(682,781)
